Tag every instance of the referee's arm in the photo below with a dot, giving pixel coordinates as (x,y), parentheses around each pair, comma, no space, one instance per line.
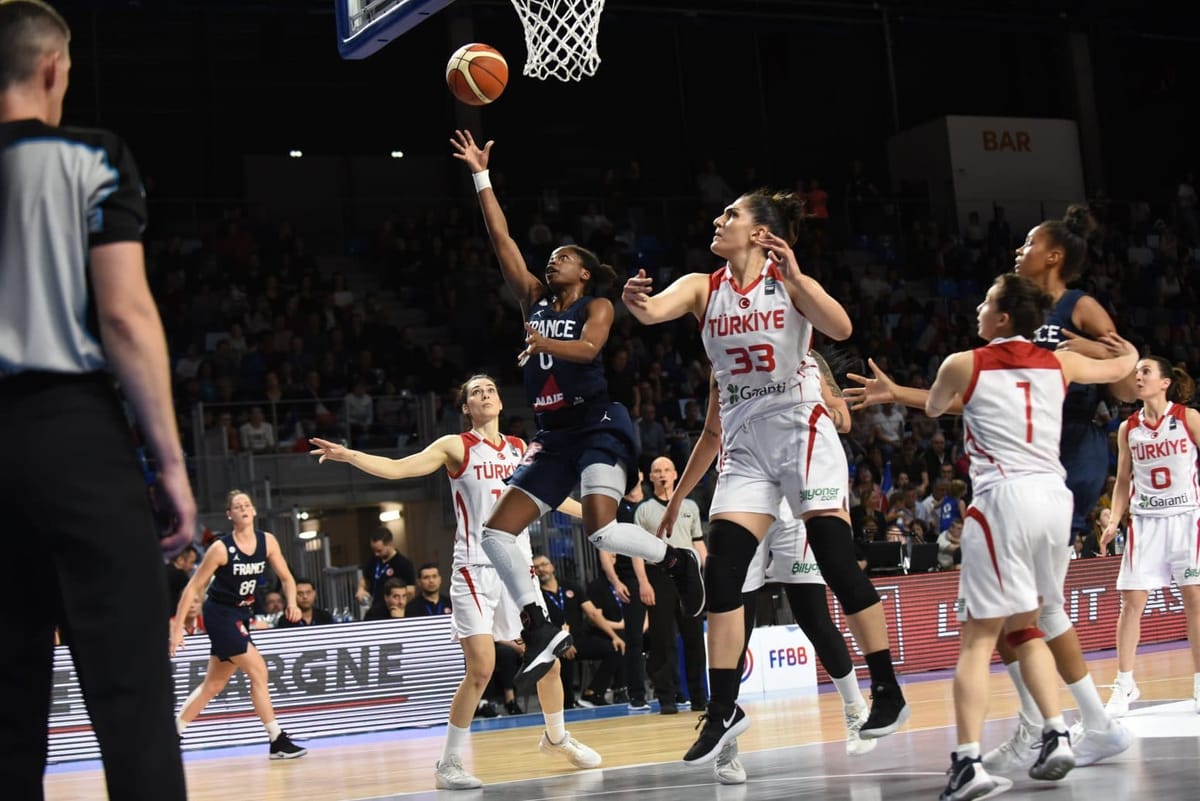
(136,347)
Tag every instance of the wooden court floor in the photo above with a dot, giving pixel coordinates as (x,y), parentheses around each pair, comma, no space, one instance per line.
(395,763)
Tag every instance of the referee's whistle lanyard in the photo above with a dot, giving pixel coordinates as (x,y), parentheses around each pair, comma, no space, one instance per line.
(617,598)
(556,598)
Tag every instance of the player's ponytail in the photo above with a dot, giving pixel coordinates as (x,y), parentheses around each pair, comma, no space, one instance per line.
(1071,234)
(781,212)
(1183,386)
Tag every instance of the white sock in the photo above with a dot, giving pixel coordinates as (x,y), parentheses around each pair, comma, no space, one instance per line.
(1196,681)
(511,565)
(273,729)
(1029,707)
(1125,678)
(847,687)
(556,728)
(456,738)
(180,725)
(967,750)
(1091,708)
(629,540)
(1055,724)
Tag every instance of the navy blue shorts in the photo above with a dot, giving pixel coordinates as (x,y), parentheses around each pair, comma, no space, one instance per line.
(556,458)
(1084,455)
(228,629)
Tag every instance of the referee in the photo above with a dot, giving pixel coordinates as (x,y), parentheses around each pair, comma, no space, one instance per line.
(662,601)
(75,310)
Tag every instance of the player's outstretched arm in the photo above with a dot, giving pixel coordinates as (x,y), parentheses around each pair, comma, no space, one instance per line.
(445,451)
(527,288)
(688,293)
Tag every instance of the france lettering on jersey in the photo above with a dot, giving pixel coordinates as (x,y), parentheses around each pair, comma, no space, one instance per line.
(758,344)
(476,487)
(1165,481)
(551,384)
(1012,412)
(1082,399)
(235,581)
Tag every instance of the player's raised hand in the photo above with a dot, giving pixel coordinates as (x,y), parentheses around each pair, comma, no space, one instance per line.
(781,253)
(329,450)
(880,388)
(637,290)
(465,150)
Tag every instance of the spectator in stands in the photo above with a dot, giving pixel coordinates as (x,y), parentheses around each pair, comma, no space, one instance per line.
(256,434)
(395,601)
(950,546)
(430,600)
(310,614)
(385,564)
(179,571)
(652,434)
(359,409)
(193,621)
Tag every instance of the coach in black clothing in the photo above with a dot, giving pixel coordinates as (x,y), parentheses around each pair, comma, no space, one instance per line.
(71,218)
(385,564)
(564,603)
(431,600)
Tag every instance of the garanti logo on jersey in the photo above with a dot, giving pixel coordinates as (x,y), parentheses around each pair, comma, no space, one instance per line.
(1156,502)
(736,393)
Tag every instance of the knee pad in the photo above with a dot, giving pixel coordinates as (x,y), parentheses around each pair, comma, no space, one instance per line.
(730,550)
(1054,622)
(832,544)
(1022,636)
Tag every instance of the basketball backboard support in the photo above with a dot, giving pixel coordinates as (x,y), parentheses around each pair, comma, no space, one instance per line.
(364,26)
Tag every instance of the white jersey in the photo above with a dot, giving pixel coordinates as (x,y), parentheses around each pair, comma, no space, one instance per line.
(476,487)
(757,342)
(1012,413)
(1164,463)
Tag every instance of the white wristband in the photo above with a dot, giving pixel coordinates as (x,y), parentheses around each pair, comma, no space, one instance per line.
(482,181)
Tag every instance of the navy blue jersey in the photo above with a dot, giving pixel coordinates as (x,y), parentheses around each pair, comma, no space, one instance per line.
(235,581)
(1083,448)
(553,386)
(1082,399)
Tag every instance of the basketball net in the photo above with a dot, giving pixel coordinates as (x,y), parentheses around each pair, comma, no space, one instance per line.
(560,37)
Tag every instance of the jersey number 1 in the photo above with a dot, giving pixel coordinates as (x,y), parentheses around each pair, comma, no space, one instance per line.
(1024,386)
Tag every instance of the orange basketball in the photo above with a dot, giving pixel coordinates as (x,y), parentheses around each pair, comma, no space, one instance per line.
(476,74)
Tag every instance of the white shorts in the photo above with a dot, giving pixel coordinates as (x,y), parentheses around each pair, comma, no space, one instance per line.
(784,557)
(794,455)
(481,605)
(1014,548)
(1160,548)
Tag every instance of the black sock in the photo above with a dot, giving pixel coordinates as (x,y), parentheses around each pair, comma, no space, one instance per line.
(723,688)
(880,665)
(532,617)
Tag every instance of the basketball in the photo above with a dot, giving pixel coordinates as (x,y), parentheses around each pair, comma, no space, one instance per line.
(476,74)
